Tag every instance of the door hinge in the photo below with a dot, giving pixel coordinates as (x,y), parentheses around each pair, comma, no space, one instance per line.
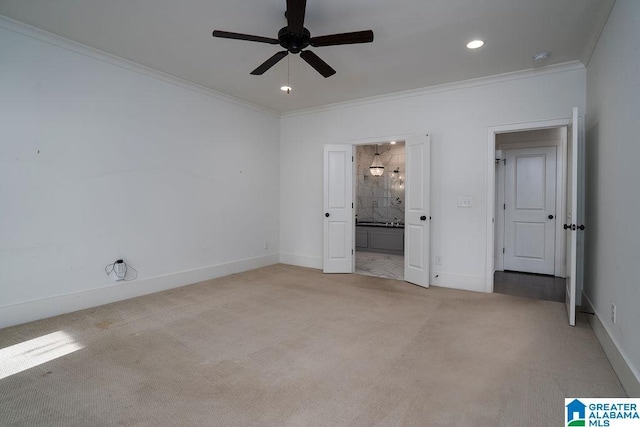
(351,159)
(504,162)
(351,205)
(504,207)
(351,251)
(502,250)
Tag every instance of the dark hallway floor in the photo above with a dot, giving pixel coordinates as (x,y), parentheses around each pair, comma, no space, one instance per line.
(529,285)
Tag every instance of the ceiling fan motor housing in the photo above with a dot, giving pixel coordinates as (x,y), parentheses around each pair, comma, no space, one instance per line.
(293,42)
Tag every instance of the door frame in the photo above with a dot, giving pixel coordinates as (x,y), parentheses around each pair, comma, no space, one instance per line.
(492,131)
(561,154)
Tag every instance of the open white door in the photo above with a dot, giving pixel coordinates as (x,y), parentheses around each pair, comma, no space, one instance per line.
(417,219)
(339,219)
(572,219)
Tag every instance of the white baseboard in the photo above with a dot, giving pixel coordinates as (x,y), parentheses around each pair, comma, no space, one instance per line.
(458,281)
(29,311)
(301,260)
(630,380)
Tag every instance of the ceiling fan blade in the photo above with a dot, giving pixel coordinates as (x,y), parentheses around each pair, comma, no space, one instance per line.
(317,63)
(295,15)
(269,63)
(344,38)
(238,36)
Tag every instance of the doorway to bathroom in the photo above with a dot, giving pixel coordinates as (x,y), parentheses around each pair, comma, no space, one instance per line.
(380,209)
(339,223)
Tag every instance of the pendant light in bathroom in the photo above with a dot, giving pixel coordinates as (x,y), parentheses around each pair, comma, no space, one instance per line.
(376,167)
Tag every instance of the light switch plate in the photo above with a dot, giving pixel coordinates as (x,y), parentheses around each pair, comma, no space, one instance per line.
(465,201)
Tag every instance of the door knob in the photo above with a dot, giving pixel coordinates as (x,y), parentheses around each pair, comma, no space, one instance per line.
(423,218)
(581,227)
(550,216)
(327,214)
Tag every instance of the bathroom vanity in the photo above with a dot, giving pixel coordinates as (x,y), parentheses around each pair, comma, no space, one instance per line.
(380,237)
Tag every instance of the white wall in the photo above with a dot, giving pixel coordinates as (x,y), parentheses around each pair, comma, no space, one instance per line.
(457,118)
(613,175)
(100,159)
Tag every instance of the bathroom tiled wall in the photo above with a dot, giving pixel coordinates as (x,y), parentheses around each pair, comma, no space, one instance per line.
(380,198)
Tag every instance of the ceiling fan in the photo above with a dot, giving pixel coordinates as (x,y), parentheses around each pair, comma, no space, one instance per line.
(294,38)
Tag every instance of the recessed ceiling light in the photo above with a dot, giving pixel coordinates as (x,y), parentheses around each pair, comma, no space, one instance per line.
(392,143)
(286,89)
(474,44)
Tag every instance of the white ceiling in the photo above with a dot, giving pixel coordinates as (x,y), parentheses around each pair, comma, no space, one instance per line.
(417,43)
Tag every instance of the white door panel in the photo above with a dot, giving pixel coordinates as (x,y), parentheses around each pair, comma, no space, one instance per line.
(530,210)
(417,223)
(530,182)
(338,227)
(337,179)
(415,249)
(529,241)
(337,239)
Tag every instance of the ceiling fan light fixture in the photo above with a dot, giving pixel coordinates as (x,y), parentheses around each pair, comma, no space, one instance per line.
(287,88)
(475,44)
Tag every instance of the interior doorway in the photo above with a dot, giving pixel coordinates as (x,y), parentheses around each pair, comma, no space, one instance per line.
(572,203)
(339,240)
(529,244)
(529,190)
(380,209)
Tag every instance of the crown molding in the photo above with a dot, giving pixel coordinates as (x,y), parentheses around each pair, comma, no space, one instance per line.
(447,87)
(81,49)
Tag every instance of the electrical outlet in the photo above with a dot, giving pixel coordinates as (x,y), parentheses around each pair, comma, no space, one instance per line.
(613,314)
(438,260)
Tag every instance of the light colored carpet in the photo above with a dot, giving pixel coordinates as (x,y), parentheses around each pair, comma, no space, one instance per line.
(289,346)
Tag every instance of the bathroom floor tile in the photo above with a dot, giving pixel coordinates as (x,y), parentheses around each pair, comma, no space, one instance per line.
(380,265)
